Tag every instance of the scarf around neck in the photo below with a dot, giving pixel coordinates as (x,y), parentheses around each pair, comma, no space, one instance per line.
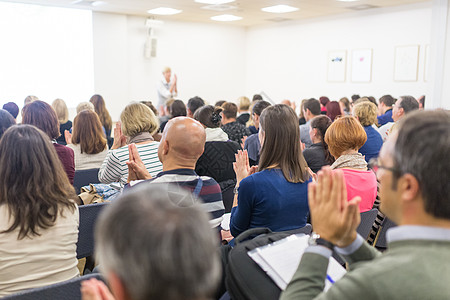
(352,161)
(141,137)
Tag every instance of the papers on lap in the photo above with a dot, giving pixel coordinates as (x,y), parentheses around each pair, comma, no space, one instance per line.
(280,260)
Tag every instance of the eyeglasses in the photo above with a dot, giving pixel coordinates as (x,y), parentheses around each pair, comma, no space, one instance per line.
(375,166)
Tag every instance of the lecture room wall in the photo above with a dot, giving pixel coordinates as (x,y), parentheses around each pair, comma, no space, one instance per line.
(285,60)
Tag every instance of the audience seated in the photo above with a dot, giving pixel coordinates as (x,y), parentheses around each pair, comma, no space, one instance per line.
(317,155)
(366,113)
(138,124)
(87,141)
(235,130)
(243,109)
(385,110)
(29,99)
(102,112)
(176,109)
(38,217)
(211,120)
(252,144)
(156,244)
(42,115)
(182,144)
(344,138)
(323,104)
(412,196)
(276,195)
(345,106)
(12,108)
(311,109)
(62,113)
(334,110)
(6,121)
(193,104)
(301,116)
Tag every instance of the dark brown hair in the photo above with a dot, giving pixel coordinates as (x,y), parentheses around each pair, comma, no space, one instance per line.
(281,145)
(333,110)
(34,186)
(344,134)
(87,131)
(177,109)
(321,123)
(102,112)
(209,116)
(229,110)
(41,115)
(6,121)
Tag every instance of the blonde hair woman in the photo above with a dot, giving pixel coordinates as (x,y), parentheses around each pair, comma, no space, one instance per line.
(62,113)
(137,125)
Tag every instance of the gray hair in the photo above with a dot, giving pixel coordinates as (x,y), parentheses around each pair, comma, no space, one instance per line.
(156,238)
(85,105)
(422,149)
(408,103)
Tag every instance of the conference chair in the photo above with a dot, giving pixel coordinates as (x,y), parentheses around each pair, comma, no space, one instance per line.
(380,241)
(84,177)
(67,290)
(367,219)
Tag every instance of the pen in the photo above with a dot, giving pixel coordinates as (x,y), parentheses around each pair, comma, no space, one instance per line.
(330,279)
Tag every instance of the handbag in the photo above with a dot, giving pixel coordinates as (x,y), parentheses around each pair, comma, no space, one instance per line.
(90,196)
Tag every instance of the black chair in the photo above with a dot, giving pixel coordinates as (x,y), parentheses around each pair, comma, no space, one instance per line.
(367,219)
(84,177)
(67,290)
(88,218)
(380,241)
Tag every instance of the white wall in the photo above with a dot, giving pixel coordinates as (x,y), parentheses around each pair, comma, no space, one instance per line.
(290,60)
(209,60)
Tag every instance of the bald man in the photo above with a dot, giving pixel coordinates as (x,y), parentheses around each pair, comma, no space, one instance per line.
(181,145)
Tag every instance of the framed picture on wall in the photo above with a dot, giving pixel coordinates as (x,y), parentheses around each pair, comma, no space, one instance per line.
(337,66)
(362,65)
(426,69)
(406,63)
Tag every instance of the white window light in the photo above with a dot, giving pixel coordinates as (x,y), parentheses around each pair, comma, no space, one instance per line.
(279,9)
(214,2)
(164,11)
(226,18)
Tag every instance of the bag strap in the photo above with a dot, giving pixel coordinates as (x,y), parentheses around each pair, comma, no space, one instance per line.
(253,231)
(198,187)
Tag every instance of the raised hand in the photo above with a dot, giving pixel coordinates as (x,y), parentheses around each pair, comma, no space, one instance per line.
(136,168)
(68,137)
(333,217)
(241,166)
(119,139)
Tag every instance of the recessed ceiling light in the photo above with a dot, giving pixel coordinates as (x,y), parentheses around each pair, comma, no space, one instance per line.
(279,9)
(164,11)
(226,18)
(214,2)
(98,3)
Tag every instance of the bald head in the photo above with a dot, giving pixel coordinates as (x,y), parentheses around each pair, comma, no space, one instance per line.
(183,138)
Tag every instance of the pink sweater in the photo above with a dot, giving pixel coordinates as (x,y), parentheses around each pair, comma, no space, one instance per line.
(363,184)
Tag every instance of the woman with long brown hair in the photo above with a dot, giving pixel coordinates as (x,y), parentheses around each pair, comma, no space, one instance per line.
(276,195)
(102,112)
(87,141)
(317,155)
(38,215)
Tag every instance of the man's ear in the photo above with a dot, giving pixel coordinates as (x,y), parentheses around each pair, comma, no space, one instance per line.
(409,187)
(165,148)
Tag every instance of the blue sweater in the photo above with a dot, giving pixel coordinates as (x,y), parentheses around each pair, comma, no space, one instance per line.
(373,144)
(267,199)
(385,118)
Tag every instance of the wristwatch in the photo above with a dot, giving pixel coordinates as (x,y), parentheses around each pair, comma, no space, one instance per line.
(235,190)
(316,240)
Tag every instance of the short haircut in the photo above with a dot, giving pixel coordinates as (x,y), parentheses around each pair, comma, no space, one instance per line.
(257,97)
(388,100)
(30,99)
(151,106)
(88,132)
(177,109)
(333,110)
(313,105)
(366,113)
(344,134)
(259,106)
(85,105)
(229,110)
(61,110)
(244,103)
(209,116)
(195,103)
(157,239)
(408,103)
(324,100)
(137,118)
(219,103)
(6,121)
(422,149)
(41,115)
(355,97)
(12,108)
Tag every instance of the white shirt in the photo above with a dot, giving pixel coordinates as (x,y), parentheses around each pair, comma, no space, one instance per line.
(163,89)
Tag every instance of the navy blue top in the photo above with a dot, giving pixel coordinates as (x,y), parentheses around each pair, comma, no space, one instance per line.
(267,199)
(373,144)
(385,118)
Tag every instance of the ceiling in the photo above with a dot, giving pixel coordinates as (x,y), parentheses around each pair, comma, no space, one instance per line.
(250,10)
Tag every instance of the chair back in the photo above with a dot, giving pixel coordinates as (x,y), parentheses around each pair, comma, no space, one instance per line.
(67,290)
(380,241)
(367,219)
(84,177)
(88,218)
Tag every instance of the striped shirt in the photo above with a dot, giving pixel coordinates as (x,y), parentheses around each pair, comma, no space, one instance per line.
(114,167)
(210,192)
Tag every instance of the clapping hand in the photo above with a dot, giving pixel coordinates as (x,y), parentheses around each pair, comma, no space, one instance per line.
(68,137)
(94,289)
(136,168)
(333,217)
(242,166)
(119,139)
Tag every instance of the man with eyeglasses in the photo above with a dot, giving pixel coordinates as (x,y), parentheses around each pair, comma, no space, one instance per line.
(414,172)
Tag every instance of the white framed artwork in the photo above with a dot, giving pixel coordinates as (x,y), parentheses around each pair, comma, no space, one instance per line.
(337,66)
(406,63)
(426,74)
(362,65)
